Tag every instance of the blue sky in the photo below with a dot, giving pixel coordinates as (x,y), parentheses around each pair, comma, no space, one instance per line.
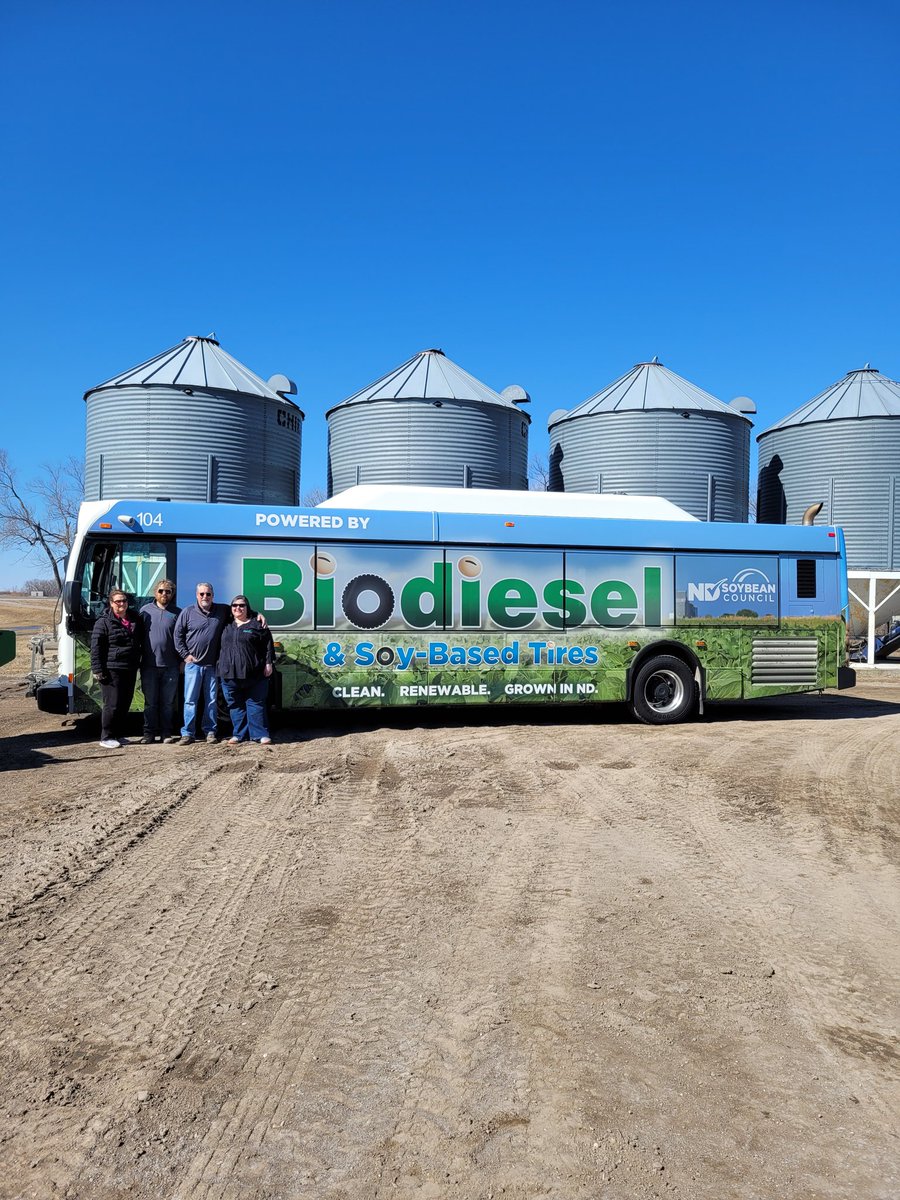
(549,192)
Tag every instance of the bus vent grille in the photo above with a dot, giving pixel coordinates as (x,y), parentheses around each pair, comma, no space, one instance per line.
(784,660)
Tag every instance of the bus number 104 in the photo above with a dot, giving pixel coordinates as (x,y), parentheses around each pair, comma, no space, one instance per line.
(149,518)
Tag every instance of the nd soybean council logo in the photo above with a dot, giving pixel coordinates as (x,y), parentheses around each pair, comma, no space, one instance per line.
(744,586)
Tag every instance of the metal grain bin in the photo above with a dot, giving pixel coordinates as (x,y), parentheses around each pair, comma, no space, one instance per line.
(193,424)
(429,423)
(841,448)
(652,433)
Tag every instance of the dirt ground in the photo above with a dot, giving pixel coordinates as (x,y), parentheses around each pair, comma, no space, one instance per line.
(520,953)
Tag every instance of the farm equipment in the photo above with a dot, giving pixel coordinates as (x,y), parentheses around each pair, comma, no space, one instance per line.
(44,665)
(884,645)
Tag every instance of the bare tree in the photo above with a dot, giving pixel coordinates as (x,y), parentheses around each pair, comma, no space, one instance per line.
(539,474)
(48,586)
(313,497)
(42,514)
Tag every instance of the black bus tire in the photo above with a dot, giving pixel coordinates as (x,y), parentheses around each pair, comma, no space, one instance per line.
(664,691)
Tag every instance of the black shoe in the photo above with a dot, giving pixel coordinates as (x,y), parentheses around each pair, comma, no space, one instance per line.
(147,740)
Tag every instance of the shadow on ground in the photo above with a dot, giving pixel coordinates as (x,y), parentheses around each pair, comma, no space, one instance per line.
(52,747)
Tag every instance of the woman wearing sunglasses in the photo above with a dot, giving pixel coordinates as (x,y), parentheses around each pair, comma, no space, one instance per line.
(246,660)
(115,653)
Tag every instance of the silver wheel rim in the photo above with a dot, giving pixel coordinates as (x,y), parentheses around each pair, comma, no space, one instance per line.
(664,691)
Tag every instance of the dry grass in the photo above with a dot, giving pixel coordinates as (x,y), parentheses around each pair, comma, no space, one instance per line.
(27,617)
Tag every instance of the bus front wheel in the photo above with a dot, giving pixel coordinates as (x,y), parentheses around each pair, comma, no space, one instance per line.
(664,691)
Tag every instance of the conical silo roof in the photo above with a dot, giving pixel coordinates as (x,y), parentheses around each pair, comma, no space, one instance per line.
(429,375)
(861,393)
(197,362)
(648,386)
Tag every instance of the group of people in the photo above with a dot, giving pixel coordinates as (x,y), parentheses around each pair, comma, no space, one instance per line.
(213,645)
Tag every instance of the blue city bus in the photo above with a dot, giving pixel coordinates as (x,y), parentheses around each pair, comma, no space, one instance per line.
(461,597)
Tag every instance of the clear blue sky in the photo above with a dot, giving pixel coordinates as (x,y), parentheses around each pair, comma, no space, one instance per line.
(549,192)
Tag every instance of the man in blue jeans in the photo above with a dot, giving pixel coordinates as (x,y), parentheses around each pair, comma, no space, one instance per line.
(198,632)
(160,665)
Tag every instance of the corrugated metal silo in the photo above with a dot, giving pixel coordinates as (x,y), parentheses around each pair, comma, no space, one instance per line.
(192,423)
(841,448)
(429,423)
(653,433)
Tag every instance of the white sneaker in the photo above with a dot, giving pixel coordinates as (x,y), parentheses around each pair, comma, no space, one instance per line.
(265,741)
(110,744)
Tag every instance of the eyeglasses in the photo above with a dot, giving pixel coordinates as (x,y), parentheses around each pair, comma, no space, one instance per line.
(204,593)
(164,591)
(239,606)
(120,600)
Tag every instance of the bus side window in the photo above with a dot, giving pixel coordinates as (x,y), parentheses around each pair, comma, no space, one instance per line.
(806,579)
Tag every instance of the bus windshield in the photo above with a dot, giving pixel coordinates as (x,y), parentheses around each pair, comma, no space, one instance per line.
(134,567)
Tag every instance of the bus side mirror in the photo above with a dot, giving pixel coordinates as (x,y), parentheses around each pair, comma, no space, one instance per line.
(72,597)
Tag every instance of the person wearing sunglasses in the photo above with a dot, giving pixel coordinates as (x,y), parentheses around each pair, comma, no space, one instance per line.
(198,636)
(246,661)
(198,632)
(160,665)
(115,653)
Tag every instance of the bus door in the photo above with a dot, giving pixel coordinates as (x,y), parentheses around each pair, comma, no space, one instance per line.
(134,566)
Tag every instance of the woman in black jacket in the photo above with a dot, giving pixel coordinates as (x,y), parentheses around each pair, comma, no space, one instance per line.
(115,656)
(246,660)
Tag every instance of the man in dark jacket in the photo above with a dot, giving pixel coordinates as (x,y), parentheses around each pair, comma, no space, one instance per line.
(198,635)
(198,632)
(160,665)
(115,654)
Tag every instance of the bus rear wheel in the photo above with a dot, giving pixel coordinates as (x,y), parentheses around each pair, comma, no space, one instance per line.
(664,691)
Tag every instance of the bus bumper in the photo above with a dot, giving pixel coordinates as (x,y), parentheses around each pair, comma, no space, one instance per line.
(54,697)
(846,677)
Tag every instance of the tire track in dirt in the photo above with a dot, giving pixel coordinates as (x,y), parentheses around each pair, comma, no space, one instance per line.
(615,1017)
(855,908)
(102,828)
(435,963)
(503,1124)
(692,824)
(681,840)
(136,977)
(280,1064)
(469,1093)
(408,1100)
(237,846)
(236,1136)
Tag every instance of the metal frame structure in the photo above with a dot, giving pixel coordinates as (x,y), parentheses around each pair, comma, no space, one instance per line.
(872,605)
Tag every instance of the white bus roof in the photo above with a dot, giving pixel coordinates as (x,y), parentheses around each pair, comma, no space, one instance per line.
(400,498)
